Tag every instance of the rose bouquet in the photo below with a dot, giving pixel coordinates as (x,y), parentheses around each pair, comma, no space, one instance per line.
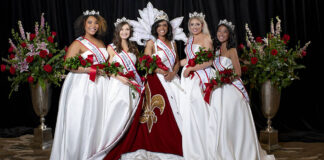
(148,64)
(269,58)
(201,56)
(34,57)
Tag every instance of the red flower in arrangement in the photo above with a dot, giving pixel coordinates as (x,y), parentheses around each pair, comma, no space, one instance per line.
(48,68)
(23,45)
(66,49)
(210,55)
(50,55)
(83,62)
(43,53)
(117,64)
(254,51)
(29,59)
(50,39)
(258,39)
(241,46)
(12,70)
(254,60)
(130,75)
(30,79)
(304,53)
(10,50)
(214,82)
(32,36)
(191,62)
(274,52)
(12,56)
(244,69)
(286,38)
(53,33)
(3,67)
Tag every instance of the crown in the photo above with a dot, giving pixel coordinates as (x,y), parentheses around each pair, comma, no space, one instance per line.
(90,13)
(227,23)
(161,16)
(121,20)
(195,14)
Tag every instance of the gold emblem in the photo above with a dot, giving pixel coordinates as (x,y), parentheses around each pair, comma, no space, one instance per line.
(150,103)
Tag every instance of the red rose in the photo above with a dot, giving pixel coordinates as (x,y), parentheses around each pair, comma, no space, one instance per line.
(214,82)
(254,60)
(117,64)
(12,56)
(50,39)
(274,52)
(48,68)
(83,62)
(32,36)
(53,33)
(23,44)
(191,62)
(50,55)
(43,53)
(241,46)
(29,59)
(66,48)
(227,80)
(147,64)
(286,37)
(210,55)
(64,57)
(254,51)
(101,66)
(258,39)
(130,74)
(10,50)
(3,67)
(304,53)
(12,70)
(222,79)
(244,69)
(30,79)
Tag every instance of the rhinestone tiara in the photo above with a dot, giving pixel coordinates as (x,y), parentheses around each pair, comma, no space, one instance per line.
(195,14)
(121,20)
(161,16)
(90,13)
(227,23)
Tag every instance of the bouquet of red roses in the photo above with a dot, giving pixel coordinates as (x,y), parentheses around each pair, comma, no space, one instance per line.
(113,68)
(149,64)
(222,77)
(201,56)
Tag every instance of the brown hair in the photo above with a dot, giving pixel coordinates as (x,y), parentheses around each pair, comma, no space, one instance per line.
(79,25)
(117,40)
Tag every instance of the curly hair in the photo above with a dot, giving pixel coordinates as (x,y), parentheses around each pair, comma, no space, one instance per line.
(231,42)
(79,26)
(168,36)
(117,40)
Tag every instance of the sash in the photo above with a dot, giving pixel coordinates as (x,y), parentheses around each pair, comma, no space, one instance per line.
(169,53)
(237,83)
(130,66)
(94,49)
(203,74)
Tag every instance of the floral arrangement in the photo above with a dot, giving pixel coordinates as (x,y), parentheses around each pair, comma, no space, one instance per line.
(269,58)
(34,57)
(221,77)
(149,64)
(113,68)
(201,56)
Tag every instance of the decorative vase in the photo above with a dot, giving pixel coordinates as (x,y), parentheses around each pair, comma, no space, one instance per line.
(41,99)
(270,96)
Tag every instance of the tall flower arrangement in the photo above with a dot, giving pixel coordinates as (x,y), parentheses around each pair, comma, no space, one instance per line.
(34,57)
(269,58)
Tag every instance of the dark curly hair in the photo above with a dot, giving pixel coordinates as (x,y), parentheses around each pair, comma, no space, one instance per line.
(168,36)
(117,40)
(231,42)
(79,25)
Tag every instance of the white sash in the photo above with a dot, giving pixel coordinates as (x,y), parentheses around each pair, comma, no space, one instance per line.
(94,49)
(203,74)
(170,54)
(129,66)
(237,83)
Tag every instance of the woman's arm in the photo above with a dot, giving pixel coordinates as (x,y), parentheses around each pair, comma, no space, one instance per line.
(74,50)
(170,75)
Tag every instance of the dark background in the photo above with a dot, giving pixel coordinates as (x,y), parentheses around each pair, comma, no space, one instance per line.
(300,117)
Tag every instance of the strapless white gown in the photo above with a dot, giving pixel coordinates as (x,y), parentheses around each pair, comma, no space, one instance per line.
(77,126)
(231,125)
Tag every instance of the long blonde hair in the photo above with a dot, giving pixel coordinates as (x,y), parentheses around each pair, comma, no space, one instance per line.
(205,29)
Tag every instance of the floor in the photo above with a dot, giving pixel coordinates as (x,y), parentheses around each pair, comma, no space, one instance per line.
(20,149)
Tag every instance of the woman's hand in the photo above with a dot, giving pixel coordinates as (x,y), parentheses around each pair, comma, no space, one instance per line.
(169,76)
(161,71)
(124,80)
(187,72)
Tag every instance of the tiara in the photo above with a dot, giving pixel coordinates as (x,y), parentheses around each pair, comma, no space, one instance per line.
(121,20)
(90,13)
(161,16)
(195,14)
(227,23)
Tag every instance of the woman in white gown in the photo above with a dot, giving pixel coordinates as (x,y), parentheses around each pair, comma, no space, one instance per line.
(81,98)
(194,109)
(231,120)
(121,103)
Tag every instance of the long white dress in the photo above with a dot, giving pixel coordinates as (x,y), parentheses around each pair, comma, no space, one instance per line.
(195,115)
(117,114)
(77,122)
(231,123)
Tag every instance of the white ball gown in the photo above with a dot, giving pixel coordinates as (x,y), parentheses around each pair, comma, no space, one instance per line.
(118,111)
(231,122)
(77,122)
(195,115)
